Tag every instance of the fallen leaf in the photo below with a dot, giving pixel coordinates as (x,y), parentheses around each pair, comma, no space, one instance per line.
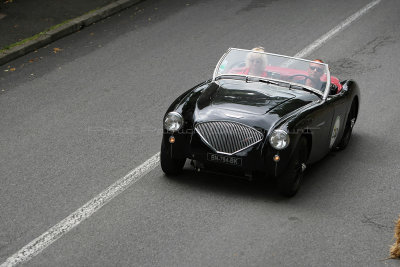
(56,50)
(149,19)
(12,69)
(395,249)
(30,60)
(91,33)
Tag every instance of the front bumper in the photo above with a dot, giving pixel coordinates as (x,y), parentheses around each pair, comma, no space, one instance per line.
(257,158)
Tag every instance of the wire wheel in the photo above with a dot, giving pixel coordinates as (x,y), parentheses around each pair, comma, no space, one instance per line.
(290,181)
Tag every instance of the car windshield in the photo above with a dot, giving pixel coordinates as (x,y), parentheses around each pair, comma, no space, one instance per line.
(296,72)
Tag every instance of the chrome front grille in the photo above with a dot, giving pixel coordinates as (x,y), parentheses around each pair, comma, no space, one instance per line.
(228,137)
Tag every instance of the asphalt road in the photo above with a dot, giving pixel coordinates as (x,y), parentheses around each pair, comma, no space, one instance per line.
(75,121)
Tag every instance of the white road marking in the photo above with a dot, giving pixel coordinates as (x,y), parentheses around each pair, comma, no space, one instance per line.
(84,212)
(324,38)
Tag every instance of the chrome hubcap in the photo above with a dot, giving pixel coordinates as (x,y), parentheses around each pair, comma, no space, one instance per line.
(352,122)
(303,167)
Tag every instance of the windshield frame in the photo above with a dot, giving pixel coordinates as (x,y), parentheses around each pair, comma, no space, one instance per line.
(323,94)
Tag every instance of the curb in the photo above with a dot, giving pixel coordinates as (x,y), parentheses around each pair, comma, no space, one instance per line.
(71,26)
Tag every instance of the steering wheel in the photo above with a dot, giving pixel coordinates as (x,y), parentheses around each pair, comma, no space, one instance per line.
(297,75)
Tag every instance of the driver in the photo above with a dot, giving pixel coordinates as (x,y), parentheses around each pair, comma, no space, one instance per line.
(316,80)
(315,71)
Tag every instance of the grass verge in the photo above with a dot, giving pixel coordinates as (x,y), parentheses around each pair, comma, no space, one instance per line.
(36,36)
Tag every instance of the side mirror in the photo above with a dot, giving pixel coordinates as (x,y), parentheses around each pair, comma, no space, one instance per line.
(333,89)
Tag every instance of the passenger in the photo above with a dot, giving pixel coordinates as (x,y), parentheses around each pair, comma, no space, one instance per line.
(256,63)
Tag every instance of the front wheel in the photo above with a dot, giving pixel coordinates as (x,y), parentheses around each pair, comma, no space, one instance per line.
(289,182)
(169,165)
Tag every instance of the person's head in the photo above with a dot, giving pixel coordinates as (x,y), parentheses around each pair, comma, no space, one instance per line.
(256,62)
(315,70)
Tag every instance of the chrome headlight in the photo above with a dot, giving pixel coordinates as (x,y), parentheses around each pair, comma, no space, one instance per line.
(279,139)
(173,121)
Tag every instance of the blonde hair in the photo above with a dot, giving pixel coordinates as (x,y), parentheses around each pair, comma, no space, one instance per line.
(255,55)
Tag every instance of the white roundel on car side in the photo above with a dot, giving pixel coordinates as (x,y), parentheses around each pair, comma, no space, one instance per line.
(335,131)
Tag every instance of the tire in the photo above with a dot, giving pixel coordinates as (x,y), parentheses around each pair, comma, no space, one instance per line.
(170,166)
(289,182)
(351,119)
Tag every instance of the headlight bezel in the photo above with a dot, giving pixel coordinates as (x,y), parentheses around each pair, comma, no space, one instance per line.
(178,119)
(283,138)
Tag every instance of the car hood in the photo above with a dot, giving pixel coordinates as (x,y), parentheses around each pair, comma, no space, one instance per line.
(250,100)
(255,104)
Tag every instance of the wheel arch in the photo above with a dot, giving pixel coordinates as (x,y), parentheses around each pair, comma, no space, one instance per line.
(356,103)
(308,137)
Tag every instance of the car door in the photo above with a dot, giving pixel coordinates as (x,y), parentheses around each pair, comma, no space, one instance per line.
(339,104)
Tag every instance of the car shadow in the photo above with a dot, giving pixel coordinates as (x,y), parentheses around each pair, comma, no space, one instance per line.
(316,178)
(319,174)
(229,185)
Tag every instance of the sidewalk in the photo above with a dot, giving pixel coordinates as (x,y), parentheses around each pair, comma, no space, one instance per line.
(22,19)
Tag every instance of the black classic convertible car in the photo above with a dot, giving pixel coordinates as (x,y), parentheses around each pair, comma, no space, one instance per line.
(261,114)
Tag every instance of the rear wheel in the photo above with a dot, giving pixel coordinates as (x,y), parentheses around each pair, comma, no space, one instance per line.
(289,182)
(351,120)
(169,165)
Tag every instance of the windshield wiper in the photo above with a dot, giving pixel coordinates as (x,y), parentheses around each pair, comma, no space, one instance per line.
(288,85)
(274,82)
(300,87)
(227,76)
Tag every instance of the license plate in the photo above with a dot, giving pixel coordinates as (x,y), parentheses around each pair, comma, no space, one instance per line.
(224,159)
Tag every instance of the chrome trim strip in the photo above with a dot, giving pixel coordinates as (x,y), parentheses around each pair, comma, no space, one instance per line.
(328,84)
(240,49)
(219,63)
